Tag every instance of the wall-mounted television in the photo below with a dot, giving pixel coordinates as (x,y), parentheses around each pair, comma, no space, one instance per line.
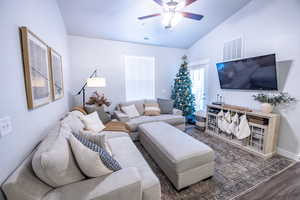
(257,73)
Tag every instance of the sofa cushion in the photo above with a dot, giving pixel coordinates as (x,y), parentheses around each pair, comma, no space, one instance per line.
(128,155)
(23,183)
(170,119)
(121,185)
(115,134)
(134,123)
(53,161)
(138,104)
(165,105)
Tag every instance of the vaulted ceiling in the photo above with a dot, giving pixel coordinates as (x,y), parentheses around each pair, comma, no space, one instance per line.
(117,20)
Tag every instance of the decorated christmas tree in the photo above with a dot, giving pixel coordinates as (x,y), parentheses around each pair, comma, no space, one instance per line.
(182,91)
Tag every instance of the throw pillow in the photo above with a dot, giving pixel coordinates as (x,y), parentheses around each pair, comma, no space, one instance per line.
(131,111)
(54,163)
(152,109)
(165,105)
(99,139)
(93,160)
(74,123)
(139,104)
(104,117)
(92,122)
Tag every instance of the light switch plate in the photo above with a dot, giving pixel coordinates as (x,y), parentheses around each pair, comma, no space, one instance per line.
(5,126)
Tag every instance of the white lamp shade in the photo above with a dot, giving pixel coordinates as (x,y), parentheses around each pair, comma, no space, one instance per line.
(96,82)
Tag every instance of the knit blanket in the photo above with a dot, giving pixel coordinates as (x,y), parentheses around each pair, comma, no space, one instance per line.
(116,126)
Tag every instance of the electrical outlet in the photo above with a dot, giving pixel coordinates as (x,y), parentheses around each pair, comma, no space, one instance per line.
(5,126)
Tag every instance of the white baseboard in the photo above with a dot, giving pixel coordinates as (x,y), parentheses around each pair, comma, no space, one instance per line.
(288,154)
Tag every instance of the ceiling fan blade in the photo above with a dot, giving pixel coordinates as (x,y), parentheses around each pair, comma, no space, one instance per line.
(160,2)
(149,16)
(189,2)
(180,6)
(192,16)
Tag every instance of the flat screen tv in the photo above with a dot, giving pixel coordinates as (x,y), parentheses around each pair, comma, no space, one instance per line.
(257,73)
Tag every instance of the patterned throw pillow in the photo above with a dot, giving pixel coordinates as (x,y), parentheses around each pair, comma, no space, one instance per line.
(98,138)
(151,109)
(93,160)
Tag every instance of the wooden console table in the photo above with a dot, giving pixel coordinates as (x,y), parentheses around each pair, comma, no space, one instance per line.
(264,130)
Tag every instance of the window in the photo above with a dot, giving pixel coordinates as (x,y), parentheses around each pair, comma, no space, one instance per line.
(198,75)
(139,78)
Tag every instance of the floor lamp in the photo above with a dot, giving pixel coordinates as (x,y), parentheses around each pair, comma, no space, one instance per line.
(92,81)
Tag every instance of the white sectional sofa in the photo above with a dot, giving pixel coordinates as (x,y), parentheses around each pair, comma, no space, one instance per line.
(175,119)
(135,181)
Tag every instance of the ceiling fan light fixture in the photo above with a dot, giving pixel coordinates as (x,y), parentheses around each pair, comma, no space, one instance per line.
(166,18)
(176,19)
(172,5)
(171,19)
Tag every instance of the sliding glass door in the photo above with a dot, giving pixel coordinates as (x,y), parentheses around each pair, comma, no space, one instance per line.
(199,88)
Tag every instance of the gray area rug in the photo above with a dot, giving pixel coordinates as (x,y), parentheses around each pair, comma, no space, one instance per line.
(236,171)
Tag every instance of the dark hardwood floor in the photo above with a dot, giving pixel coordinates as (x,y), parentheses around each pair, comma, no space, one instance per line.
(285,186)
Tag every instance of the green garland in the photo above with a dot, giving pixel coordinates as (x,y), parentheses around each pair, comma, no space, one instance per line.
(274,99)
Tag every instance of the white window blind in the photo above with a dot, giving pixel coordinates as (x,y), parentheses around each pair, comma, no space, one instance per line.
(139,77)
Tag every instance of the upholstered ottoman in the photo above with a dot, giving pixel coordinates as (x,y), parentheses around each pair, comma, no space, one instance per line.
(183,159)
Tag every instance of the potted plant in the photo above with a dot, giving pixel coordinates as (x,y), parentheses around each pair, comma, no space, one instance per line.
(98,100)
(269,101)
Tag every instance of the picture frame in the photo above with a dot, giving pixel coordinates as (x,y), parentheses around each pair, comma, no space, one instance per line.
(36,69)
(57,83)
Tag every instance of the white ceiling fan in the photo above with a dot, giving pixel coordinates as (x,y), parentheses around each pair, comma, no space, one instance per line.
(171,12)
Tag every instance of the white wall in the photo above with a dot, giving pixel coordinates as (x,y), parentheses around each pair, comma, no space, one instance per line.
(86,53)
(44,19)
(267,27)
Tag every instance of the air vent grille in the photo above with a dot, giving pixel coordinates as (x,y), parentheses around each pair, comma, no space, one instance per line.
(233,49)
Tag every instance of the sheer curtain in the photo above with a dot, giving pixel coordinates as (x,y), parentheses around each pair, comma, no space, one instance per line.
(139,77)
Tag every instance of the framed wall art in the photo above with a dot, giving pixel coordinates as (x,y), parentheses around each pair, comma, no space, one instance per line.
(57,75)
(36,69)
